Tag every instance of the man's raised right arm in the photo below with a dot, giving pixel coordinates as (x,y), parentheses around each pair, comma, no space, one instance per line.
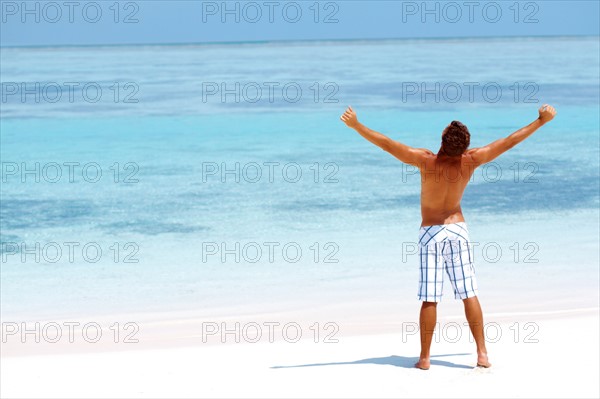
(491,151)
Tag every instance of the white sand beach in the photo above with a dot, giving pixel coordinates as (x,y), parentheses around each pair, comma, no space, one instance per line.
(555,355)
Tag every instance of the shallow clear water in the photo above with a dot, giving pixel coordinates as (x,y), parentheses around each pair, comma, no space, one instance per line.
(170,204)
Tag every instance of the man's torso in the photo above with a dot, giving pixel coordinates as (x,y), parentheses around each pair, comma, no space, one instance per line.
(443,182)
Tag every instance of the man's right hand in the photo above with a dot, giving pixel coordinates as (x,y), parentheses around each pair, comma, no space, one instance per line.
(547,113)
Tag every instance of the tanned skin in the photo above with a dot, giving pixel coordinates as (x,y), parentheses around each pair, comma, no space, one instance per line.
(443,182)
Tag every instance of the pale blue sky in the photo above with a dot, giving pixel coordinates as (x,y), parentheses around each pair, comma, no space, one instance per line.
(201,21)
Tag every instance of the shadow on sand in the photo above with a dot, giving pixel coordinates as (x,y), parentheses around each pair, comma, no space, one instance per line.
(398,361)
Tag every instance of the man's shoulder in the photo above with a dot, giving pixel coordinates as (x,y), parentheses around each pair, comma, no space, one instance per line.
(425,151)
(427,158)
(468,155)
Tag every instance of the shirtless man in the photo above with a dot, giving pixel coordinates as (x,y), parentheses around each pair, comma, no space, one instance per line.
(443,237)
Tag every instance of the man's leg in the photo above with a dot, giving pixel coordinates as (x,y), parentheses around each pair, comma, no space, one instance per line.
(475,319)
(427,321)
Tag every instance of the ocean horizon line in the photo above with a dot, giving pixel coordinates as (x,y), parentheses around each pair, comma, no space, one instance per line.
(294,41)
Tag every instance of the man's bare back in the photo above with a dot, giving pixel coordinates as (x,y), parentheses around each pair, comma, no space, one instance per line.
(443,182)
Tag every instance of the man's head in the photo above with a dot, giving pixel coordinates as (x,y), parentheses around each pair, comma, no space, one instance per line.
(455,139)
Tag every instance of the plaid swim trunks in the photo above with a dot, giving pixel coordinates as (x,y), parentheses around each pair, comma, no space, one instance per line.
(445,247)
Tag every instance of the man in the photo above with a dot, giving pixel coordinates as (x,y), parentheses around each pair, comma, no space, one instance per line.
(443,237)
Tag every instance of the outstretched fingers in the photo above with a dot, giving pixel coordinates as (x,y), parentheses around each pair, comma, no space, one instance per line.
(347,115)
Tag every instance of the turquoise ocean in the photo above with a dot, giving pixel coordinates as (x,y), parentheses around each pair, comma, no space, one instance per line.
(215,176)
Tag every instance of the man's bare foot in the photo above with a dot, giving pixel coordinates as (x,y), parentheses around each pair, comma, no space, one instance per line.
(482,360)
(422,364)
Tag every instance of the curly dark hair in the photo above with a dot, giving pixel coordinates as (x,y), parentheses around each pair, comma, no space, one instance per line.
(455,139)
